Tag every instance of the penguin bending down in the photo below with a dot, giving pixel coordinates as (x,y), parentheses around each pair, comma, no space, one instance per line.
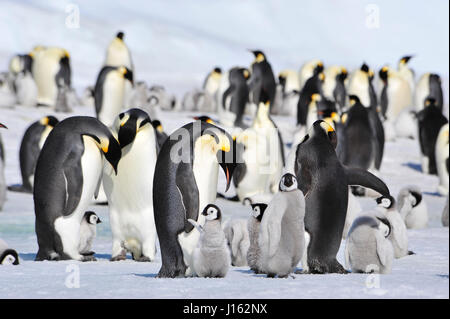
(88,231)
(430,121)
(129,192)
(68,176)
(238,240)
(334,85)
(262,85)
(110,92)
(32,142)
(368,249)
(441,156)
(118,53)
(412,207)
(282,231)
(211,257)
(324,181)
(185,180)
(428,86)
(8,256)
(235,98)
(254,223)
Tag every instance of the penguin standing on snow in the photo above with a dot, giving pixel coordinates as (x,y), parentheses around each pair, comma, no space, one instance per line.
(441,155)
(118,53)
(312,86)
(368,249)
(430,121)
(211,257)
(68,175)
(324,181)
(110,92)
(32,142)
(238,241)
(211,84)
(282,231)
(185,180)
(8,256)
(334,85)
(406,72)
(88,231)
(254,224)
(361,84)
(129,192)
(429,86)
(235,97)
(261,80)
(20,68)
(412,207)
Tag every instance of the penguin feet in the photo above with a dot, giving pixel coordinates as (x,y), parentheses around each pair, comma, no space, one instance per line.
(165,272)
(88,258)
(119,257)
(89,253)
(143,259)
(333,266)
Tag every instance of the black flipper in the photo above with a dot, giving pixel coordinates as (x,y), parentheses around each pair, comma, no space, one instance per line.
(225,95)
(187,186)
(378,133)
(235,198)
(357,176)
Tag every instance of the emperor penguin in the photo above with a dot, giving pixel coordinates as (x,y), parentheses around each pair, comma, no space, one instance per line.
(282,231)
(235,98)
(290,92)
(110,92)
(212,83)
(360,84)
(428,86)
(406,72)
(441,156)
(324,181)
(236,233)
(254,224)
(211,257)
(185,181)
(32,142)
(67,177)
(88,231)
(262,81)
(444,217)
(368,249)
(20,68)
(412,207)
(312,86)
(334,85)
(8,256)
(130,191)
(430,122)
(118,53)
(307,70)
(51,71)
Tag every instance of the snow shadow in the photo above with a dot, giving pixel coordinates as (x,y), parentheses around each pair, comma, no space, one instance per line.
(415,166)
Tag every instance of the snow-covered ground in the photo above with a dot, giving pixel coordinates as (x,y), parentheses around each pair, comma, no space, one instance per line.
(175,43)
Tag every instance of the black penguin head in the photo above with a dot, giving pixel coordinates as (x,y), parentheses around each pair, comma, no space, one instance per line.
(387,202)
(288,183)
(258,210)
(383,74)
(49,121)
(204,118)
(110,148)
(92,218)
(157,126)
(405,59)
(384,226)
(318,68)
(129,123)
(259,56)
(353,100)
(430,101)
(126,73)
(245,73)
(322,130)
(9,257)
(342,76)
(120,35)
(417,196)
(212,212)
(365,68)
(217,70)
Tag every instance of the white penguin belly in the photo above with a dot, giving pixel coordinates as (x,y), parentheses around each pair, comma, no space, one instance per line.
(68,227)
(113,99)
(44,71)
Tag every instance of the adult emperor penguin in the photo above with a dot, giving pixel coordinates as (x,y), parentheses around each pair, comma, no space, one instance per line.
(412,207)
(334,85)
(118,53)
(254,224)
(406,72)
(261,79)
(428,86)
(212,83)
(51,71)
(8,256)
(312,86)
(88,231)
(324,181)
(32,142)
(368,249)
(441,156)
(307,70)
(68,175)
(236,232)
(110,92)
(282,231)
(185,181)
(129,192)
(360,84)
(235,98)
(430,121)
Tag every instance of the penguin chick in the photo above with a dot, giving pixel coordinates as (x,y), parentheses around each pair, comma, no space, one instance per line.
(253,253)
(353,210)
(282,231)
(211,257)
(88,231)
(236,233)
(368,249)
(412,207)
(8,256)
(398,235)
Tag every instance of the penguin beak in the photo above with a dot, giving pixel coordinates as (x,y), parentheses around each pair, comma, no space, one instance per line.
(228,169)
(99,220)
(2,125)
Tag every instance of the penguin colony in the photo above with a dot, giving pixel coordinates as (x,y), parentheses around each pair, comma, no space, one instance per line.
(162,188)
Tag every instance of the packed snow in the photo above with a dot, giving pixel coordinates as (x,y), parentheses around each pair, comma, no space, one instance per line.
(175,45)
